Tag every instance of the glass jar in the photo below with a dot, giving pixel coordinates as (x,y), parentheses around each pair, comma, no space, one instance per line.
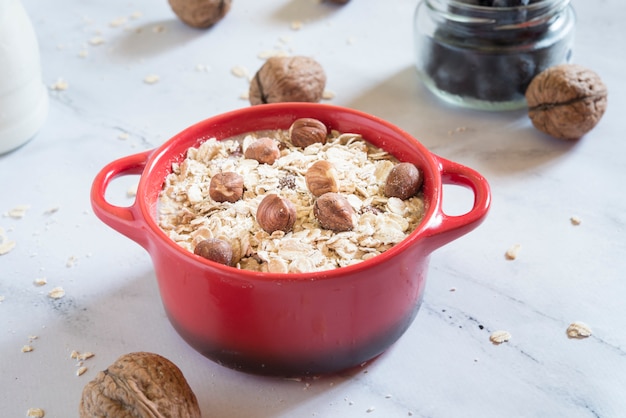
(482,54)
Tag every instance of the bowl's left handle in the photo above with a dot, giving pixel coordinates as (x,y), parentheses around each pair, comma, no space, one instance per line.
(125,220)
(444,228)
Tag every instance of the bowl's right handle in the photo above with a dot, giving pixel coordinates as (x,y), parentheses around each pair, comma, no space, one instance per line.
(445,228)
(126,220)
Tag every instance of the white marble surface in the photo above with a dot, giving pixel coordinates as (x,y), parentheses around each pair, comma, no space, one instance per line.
(445,365)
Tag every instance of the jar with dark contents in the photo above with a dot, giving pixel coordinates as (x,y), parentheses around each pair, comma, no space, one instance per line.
(482,54)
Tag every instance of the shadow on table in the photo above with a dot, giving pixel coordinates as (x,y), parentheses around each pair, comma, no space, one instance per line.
(131,318)
(504,142)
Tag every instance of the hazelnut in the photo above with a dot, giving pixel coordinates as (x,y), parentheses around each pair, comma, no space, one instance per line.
(320,178)
(276,213)
(288,79)
(404,181)
(215,249)
(306,131)
(140,385)
(226,187)
(566,101)
(334,212)
(200,13)
(264,150)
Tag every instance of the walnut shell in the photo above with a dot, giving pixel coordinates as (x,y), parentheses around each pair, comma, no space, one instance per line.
(139,385)
(288,79)
(200,13)
(566,101)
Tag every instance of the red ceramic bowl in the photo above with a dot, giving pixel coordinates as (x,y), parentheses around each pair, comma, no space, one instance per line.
(290,324)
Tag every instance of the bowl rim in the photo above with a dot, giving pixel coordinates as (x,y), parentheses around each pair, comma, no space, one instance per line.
(164,156)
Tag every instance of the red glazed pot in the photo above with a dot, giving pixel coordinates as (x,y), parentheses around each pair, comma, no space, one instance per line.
(290,324)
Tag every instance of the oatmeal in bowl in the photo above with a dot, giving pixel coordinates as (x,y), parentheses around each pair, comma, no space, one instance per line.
(229,194)
(289,251)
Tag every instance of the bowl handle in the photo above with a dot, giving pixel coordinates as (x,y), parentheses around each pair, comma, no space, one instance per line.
(445,228)
(126,220)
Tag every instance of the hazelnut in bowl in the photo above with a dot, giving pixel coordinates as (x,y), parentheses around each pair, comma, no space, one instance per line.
(291,238)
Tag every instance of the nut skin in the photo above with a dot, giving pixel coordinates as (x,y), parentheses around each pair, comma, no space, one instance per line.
(306,131)
(404,181)
(334,212)
(226,187)
(215,249)
(566,101)
(288,79)
(200,14)
(320,178)
(264,150)
(276,213)
(139,385)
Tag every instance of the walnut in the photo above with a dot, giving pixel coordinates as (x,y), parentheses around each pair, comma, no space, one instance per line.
(334,212)
(139,385)
(215,249)
(288,79)
(566,101)
(404,181)
(264,150)
(320,178)
(226,187)
(200,13)
(306,131)
(276,213)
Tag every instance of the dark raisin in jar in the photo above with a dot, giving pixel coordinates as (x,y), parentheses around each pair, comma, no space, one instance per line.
(482,54)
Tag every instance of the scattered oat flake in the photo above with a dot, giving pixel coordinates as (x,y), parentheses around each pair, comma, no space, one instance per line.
(60,85)
(74,354)
(136,15)
(328,95)
(239,71)
(83,53)
(56,293)
(41,281)
(296,25)
(511,253)
(158,29)
(27,349)
(575,220)
(117,22)
(96,40)
(578,330)
(151,79)
(35,413)
(271,53)
(132,190)
(84,356)
(71,261)
(6,244)
(18,212)
(2,298)
(123,136)
(499,337)
(81,371)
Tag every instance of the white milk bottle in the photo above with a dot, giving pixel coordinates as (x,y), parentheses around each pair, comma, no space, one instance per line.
(23,96)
